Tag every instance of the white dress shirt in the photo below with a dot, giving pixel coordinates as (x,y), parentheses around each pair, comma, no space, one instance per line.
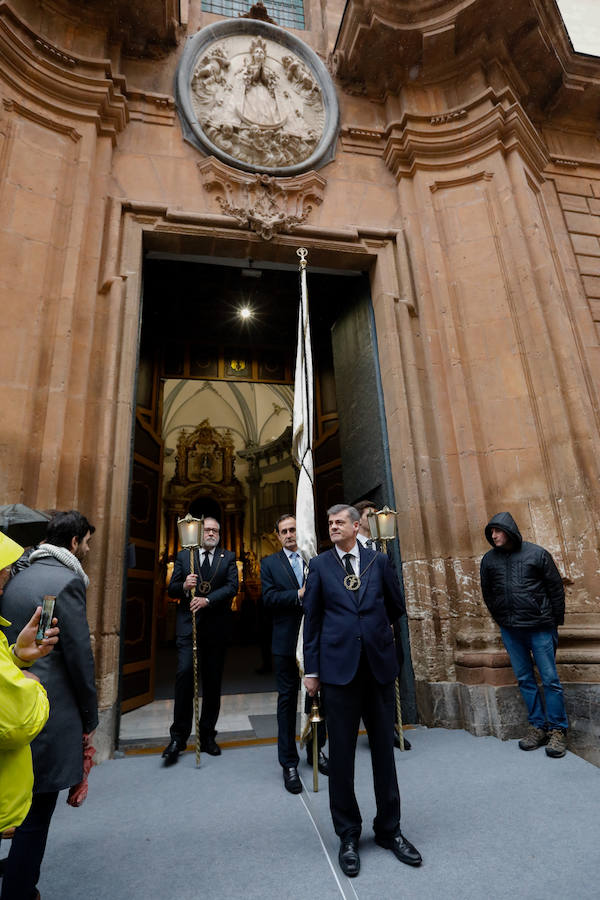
(355,560)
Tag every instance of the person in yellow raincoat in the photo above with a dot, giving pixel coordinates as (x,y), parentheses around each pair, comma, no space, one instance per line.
(24,708)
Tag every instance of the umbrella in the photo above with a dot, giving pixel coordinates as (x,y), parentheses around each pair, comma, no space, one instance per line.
(24,525)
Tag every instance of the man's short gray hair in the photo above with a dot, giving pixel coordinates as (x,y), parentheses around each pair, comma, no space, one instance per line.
(344,507)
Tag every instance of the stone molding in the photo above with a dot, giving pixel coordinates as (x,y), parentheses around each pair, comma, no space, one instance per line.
(144,28)
(264,204)
(491,122)
(155,109)
(34,116)
(426,41)
(68,85)
(367,141)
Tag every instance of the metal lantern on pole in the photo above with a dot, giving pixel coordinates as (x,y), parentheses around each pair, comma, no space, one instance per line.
(191,536)
(382,525)
(191,532)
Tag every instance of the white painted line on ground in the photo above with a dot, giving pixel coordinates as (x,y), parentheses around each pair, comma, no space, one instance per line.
(325,851)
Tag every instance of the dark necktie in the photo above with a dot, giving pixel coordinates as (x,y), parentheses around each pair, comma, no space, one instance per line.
(348,563)
(205,569)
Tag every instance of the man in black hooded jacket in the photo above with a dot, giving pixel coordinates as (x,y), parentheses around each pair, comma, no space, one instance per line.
(523,591)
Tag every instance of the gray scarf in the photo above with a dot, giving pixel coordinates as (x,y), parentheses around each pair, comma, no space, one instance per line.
(64,556)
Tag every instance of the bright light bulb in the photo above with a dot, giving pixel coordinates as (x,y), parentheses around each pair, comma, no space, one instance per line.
(245,312)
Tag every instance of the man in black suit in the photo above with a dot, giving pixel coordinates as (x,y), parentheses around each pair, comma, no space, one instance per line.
(207,594)
(351,599)
(282,577)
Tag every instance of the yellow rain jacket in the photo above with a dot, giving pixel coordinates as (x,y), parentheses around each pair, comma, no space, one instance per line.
(23,713)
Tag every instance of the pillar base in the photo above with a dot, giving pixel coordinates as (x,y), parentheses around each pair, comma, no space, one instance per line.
(487,709)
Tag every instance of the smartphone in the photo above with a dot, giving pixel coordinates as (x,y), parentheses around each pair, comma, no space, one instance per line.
(46,617)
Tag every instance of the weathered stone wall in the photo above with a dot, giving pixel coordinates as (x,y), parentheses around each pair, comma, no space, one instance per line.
(489,350)
(467,189)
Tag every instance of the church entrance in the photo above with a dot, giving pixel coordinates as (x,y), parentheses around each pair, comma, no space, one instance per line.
(213,437)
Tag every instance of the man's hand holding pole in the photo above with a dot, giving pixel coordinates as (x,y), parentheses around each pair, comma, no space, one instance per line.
(312,685)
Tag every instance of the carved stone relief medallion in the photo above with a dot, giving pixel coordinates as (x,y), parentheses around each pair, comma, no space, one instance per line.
(257,97)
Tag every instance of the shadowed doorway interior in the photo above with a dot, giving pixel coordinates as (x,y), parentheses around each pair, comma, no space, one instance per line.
(213,437)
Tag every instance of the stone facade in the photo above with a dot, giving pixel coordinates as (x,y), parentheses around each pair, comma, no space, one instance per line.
(466,181)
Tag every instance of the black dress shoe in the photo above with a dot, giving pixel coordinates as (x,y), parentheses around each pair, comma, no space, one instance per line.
(407,743)
(322,765)
(401,848)
(171,753)
(210,746)
(291,780)
(348,858)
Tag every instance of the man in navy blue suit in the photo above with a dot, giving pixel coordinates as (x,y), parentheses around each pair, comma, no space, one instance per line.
(351,600)
(282,578)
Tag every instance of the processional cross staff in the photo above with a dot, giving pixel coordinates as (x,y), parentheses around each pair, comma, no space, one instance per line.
(191,537)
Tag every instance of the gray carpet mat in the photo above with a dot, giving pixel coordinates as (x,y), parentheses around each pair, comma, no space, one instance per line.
(491,822)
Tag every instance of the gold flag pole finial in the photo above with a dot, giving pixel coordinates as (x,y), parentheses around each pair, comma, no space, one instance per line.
(302,252)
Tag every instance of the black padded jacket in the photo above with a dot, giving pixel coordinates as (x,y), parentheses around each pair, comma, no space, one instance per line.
(521,586)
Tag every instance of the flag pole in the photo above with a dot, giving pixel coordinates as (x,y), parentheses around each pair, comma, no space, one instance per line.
(302,429)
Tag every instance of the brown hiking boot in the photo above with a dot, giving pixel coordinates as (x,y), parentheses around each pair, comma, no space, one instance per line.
(535,737)
(557,743)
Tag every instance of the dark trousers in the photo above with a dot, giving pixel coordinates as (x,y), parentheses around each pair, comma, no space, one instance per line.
(288,684)
(264,634)
(346,704)
(211,659)
(24,861)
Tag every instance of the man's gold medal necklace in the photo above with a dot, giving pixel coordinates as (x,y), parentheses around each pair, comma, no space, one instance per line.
(352,582)
(205,587)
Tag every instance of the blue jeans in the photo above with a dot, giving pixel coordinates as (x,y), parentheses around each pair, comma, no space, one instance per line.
(525,645)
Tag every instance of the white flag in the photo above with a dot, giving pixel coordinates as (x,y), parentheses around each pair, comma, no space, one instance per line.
(302,427)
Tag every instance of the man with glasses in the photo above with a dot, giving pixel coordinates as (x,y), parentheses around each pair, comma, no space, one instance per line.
(207,594)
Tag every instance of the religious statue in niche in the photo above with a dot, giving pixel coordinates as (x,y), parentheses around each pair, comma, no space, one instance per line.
(258,102)
(260,99)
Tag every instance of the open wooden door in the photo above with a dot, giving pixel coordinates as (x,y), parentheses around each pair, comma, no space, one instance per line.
(137,686)
(366,465)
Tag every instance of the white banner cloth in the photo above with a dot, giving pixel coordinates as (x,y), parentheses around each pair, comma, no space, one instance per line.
(302,427)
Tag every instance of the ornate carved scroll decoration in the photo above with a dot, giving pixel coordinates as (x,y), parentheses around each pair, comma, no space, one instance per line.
(205,456)
(451,116)
(51,50)
(568,163)
(265,204)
